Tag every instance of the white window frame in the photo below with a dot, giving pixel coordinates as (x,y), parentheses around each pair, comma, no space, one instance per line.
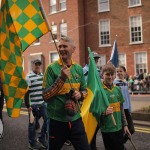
(63,29)
(32,57)
(50,56)
(54,32)
(122,59)
(101,4)
(136,23)
(143,60)
(104,26)
(53,4)
(61,3)
(134,3)
(101,61)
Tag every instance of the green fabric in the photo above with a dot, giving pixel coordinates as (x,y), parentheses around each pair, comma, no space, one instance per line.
(21,23)
(100,101)
(106,124)
(56,106)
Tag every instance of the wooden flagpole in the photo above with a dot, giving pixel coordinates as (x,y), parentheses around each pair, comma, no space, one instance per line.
(49,27)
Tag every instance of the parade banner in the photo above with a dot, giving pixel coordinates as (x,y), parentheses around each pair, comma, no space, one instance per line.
(21,23)
(96,102)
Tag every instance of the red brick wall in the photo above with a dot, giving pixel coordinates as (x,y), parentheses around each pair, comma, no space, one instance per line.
(82,20)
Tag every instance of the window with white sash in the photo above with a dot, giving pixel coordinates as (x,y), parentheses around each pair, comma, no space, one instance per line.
(141,62)
(133,3)
(104,32)
(103,5)
(53,57)
(63,29)
(122,59)
(62,5)
(101,61)
(52,6)
(136,29)
(54,32)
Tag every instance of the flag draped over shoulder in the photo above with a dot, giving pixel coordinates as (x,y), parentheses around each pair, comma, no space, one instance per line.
(96,102)
(114,55)
(21,23)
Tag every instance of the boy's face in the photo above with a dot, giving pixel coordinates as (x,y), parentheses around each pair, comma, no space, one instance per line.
(108,77)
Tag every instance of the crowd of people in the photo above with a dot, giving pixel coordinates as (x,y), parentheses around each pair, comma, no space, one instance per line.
(57,94)
(139,82)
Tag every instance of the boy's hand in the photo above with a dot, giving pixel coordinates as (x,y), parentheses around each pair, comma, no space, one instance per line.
(109,110)
(126,131)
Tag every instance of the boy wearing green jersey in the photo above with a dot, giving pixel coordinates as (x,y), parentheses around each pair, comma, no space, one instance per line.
(113,134)
(63,86)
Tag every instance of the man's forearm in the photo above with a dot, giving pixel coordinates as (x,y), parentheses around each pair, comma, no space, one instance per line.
(51,91)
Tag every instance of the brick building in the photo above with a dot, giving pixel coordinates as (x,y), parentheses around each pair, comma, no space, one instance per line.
(95,23)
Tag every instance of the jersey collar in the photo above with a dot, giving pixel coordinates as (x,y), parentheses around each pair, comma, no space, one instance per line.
(60,63)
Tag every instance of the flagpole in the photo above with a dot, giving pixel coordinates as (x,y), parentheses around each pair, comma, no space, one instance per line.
(49,27)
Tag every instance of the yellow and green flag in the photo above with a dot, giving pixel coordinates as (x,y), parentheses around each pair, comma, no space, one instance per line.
(96,102)
(21,23)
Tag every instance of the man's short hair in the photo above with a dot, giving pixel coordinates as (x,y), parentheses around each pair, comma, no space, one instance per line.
(95,54)
(67,39)
(36,61)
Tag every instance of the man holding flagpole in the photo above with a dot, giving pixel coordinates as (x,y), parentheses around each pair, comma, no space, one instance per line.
(63,86)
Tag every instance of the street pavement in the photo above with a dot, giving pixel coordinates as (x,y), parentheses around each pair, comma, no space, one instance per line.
(16,133)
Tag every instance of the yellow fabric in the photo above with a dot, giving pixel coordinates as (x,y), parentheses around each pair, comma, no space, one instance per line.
(88,119)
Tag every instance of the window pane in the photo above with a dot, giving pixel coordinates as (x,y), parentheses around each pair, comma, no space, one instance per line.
(52,6)
(63,29)
(122,60)
(141,62)
(136,29)
(54,32)
(62,4)
(104,32)
(53,57)
(134,2)
(101,61)
(103,5)
(52,2)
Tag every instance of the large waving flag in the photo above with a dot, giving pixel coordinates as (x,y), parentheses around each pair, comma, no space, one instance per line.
(114,55)
(96,102)
(21,23)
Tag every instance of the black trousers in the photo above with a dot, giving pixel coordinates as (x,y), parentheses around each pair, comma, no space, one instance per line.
(1,107)
(130,124)
(113,140)
(59,132)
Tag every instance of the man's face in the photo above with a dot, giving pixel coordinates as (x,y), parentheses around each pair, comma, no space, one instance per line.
(96,59)
(65,49)
(36,67)
(108,77)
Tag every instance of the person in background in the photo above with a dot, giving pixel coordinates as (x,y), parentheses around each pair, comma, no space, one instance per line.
(113,134)
(122,83)
(86,67)
(96,57)
(1,101)
(63,87)
(35,104)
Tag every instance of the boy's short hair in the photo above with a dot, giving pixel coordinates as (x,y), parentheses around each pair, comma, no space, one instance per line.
(109,67)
